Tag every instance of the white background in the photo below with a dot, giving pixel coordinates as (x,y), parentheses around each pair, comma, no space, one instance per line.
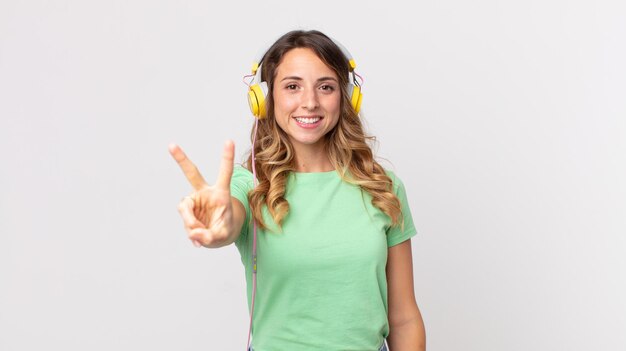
(506,121)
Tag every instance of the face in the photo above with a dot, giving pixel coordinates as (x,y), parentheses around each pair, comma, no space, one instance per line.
(307,98)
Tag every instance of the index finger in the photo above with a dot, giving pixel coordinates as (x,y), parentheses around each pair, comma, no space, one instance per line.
(226,166)
(189,169)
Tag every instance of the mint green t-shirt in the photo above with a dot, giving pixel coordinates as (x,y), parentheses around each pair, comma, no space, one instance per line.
(321,281)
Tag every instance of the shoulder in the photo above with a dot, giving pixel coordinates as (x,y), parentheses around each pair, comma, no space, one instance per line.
(240,171)
(395,180)
(242,176)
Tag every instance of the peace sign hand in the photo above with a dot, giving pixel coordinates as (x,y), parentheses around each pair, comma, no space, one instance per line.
(208,211)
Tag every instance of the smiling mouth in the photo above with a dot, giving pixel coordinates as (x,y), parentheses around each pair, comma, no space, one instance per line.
(308,120)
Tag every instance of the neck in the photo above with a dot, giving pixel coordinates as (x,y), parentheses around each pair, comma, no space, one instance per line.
(312,159)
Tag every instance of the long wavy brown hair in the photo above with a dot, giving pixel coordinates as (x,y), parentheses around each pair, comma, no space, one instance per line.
(346,144)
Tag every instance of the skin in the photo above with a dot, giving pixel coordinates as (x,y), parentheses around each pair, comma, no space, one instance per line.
(304,86)
(406,326)
(211,216)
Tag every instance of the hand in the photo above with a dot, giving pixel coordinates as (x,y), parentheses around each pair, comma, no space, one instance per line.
(207,212)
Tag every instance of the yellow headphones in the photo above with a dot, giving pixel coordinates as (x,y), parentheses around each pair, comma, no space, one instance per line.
(257,92)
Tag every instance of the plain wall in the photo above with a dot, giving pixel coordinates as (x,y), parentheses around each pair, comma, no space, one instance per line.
(505,120)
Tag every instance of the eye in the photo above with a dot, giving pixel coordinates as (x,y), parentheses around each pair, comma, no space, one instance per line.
(291,87)
(327,87)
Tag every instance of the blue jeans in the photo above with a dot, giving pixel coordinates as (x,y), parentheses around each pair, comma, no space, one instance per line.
(383,347)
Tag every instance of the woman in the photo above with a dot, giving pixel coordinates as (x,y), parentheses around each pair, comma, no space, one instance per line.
(334,227)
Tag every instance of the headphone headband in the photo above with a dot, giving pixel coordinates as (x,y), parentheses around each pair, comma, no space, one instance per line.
(256,64)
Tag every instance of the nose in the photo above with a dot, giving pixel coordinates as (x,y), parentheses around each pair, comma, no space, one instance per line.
(310,99)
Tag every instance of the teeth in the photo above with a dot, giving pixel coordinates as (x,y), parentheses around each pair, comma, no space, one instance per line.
(307,120)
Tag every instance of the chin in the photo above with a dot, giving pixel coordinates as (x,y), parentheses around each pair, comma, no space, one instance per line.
(307,141)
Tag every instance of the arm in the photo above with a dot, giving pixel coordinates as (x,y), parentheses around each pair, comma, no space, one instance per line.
(406,327)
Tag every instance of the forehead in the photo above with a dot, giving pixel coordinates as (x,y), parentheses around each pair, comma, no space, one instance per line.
(303,62)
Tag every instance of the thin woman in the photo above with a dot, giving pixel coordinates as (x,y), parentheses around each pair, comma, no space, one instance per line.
(334,263)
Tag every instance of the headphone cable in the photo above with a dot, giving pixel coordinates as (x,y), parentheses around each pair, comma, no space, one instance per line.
(254,179)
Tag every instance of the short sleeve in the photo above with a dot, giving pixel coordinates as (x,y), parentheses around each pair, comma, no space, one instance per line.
(398,234)
(240,185)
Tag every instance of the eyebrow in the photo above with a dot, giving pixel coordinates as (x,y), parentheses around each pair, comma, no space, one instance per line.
(323,79)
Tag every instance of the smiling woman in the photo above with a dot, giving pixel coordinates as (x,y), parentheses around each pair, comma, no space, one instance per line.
(334,262)
(307,104)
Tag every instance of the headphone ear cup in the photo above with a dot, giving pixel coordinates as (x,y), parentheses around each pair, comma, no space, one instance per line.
(256,100)
(355,96)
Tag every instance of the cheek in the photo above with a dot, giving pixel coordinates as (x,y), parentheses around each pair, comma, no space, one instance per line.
(282,110)
(284,102)
(338,104)
(333,105)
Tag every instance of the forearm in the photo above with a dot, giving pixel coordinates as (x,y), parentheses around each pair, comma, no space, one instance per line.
(409,336)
